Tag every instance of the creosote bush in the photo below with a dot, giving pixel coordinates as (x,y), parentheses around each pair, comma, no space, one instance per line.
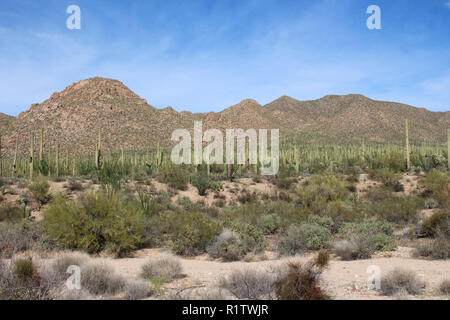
(39,188)
(438,221)
(10,212)
(361,240)
(174,176)
(307,236)
(98,221)
(191,232)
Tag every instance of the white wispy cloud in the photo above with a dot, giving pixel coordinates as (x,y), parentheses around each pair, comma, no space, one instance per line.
(448,4)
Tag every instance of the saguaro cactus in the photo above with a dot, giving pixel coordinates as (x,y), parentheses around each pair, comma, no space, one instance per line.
(15,156)
(31,162)
(57,156)
(229,166)
(408,157)
(2,155)
(98,153)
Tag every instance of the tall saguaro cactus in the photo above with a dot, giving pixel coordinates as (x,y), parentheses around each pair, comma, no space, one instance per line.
(448,149)
(31,161)
(2,155)
(57,156)
(229,166)
(408,156)
(15,156)
(98,153)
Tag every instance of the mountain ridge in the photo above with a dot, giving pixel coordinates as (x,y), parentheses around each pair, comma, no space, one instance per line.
(128,121)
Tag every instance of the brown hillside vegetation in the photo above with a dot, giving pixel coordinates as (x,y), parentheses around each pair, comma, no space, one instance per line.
(127,121)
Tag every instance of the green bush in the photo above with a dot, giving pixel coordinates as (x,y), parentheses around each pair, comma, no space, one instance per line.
(191,232)
(323,221)
(438,221)
(388,177)
(227,245)
(361,240)
(438,249)
(401,210)
(252,238)
(174,176)
(39,188)
(24,269)
(437,186)
(306,236)
(10,212)
(201,182)
(98,221)
(322,187)
(269,223)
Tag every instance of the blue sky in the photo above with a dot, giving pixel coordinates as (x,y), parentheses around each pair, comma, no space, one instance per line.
(206,55)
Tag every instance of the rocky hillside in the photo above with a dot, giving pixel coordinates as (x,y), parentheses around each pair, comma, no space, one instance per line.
(76,114)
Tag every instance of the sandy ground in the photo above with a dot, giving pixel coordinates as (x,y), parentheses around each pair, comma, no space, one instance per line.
(344,280)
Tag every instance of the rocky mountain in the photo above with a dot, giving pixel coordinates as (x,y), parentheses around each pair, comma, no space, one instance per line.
(127,121)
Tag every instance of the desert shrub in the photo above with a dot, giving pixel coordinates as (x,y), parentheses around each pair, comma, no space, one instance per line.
(219,203)
(430,203)
(400,281)
(399,210)
(247,197)
(438,248)
(444,287)
(186,204)
(111,174)
(174,176)
(24,269)
(303,237)
(364,238)
(98,278)
(98,221)
(269,224)
(437,186)
(201,182)
(302,282)
(191,232)
(20,280)
(323,221)
(347,250)
(388,177)
(74,185)
(249,284)
(164,269)
(63,261)
(39,188)
(322,187)
(285,183)
(227,245)
(10,212)
(137,290)
(438,221)
(252,238)
(21,236)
